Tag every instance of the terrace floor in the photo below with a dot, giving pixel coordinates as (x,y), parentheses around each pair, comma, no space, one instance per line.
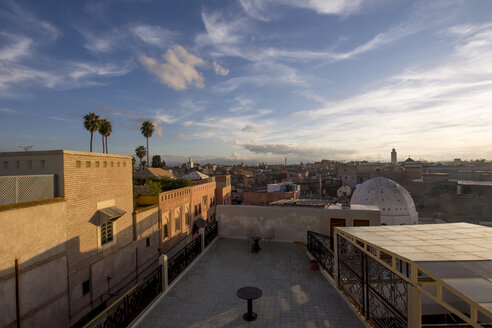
(293,295)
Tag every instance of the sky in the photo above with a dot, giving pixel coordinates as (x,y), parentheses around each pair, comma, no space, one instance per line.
(250,80)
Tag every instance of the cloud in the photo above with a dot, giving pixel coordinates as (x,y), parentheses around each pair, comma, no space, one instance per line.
(219,70)
(300,151)
(166,118)
(242,104)
(262,9)
(221,31)
(424,107)
(25,21)
(178,70)
(81,70)
(112,110)
(179,135)
(154,35)
(8,110)
(249,128)
(15,46)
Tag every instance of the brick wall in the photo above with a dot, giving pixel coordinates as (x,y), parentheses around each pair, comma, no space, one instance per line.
(94,181)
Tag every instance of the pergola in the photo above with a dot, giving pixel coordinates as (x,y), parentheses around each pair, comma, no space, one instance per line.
(417,275)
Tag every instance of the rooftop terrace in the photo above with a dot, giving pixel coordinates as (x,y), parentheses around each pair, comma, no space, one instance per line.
(293,295)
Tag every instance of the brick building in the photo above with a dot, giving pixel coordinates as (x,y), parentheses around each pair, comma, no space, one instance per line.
(102,246)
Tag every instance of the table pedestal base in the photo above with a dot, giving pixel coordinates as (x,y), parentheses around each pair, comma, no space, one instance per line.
(249,317)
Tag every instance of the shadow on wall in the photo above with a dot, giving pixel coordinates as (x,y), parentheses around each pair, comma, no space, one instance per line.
(37,290)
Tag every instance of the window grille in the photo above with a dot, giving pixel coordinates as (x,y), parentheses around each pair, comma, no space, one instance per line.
(107,232)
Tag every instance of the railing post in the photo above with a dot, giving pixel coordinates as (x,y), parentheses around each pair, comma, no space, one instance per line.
(202,235)
(165,277)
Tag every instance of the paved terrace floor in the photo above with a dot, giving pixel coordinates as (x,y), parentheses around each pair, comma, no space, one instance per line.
(293,295)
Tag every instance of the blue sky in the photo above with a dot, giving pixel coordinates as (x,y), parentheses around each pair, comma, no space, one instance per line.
(251,80)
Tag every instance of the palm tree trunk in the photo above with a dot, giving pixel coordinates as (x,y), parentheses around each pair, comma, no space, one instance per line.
(148,152)
(102,137)
(91,142)
(106,145)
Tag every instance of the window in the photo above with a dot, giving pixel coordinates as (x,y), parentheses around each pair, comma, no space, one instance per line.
(188,218)
(78,164)
(199,208)
(5,165)
(88,164)
(196,210)
(42,164)
(176,224)
(86,287)
(205,201)
(17,164)
(97,163)
(124,164)
(105,164)
(147,242)
(107,232)
(112,164)
(165,232)
(118,164)
(29,164)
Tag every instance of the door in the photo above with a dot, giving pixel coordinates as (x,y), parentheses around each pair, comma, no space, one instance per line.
(361,222)
(335,223)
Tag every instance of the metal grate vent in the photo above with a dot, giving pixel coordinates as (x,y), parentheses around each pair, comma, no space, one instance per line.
(26,188)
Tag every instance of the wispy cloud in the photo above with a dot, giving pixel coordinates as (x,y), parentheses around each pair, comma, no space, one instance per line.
(446,98)
(220,70)
(154,35)
(262,9)
(178,71)
(300,151)
(249,128)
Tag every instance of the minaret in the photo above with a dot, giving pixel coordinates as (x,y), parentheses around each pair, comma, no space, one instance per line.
(393,157)
(190,163)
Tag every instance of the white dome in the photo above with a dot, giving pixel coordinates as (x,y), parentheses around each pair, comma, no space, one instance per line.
(394,201)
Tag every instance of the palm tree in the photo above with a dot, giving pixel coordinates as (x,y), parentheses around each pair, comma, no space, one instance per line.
(92,123)
(147,129)
(105,130)
(108,133)
(103,127)
(140,152)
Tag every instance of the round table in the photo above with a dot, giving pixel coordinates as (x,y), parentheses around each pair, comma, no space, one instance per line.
(249,293)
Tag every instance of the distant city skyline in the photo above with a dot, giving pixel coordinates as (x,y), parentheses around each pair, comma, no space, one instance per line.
(250,80)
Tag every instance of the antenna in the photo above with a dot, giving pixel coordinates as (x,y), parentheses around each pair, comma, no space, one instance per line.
(26,148)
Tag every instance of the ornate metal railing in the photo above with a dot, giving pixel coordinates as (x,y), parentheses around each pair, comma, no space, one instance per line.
(378,293)
(211,231)
(319,246)
(183,258)
(128,307)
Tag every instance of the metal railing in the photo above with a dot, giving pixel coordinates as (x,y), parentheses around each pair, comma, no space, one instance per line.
(320,247)
(211,231)
(378,293)
(183,258)
(128,307)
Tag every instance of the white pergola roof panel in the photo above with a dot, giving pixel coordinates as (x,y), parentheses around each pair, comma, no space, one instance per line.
(430,242)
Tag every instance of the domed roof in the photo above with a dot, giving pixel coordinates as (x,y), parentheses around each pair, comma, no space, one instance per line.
(394,201)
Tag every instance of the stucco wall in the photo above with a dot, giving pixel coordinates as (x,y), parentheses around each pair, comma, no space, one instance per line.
(283,223)
(35,236)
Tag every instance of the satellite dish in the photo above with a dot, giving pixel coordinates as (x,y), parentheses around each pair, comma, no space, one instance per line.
(344,192)
(26,148)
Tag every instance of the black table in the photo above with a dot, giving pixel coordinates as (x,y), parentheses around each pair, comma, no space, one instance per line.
(250,294)
(255,248)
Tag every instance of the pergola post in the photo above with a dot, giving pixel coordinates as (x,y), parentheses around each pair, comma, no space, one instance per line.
(414,307)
